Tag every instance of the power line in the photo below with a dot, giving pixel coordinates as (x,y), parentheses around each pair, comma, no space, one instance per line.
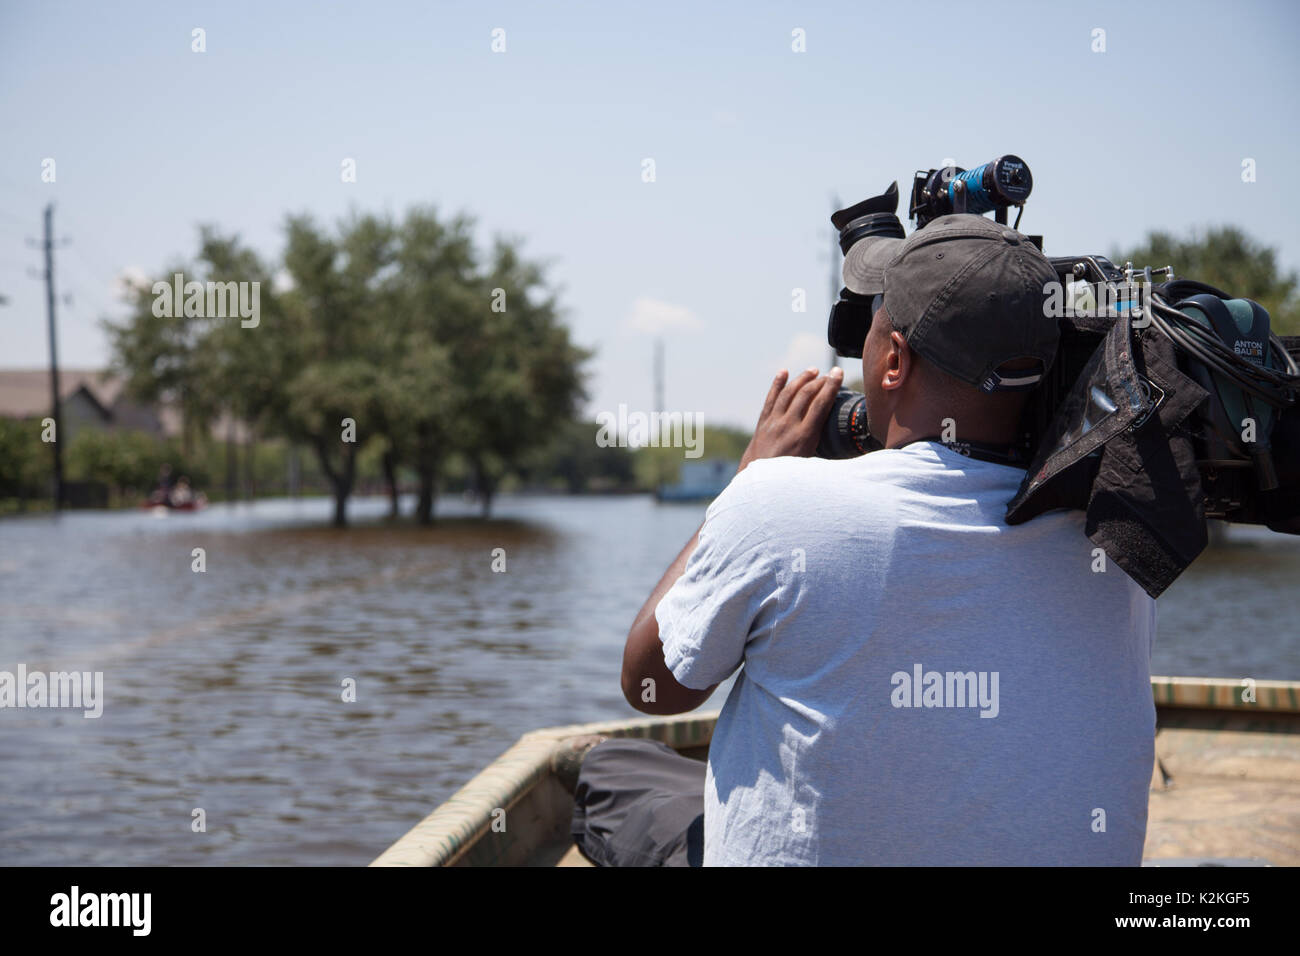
(82,248)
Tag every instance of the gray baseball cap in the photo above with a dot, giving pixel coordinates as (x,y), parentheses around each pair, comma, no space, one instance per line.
(968,294)
(864,264)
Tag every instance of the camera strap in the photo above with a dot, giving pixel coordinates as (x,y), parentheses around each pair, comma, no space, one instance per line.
(995,454)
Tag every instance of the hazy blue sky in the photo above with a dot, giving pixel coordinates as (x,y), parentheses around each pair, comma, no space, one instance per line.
(546,141)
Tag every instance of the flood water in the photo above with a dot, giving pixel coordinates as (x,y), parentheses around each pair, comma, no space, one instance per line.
(223,690)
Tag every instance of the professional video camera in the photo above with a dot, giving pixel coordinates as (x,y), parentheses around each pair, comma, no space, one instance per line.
(1163,373)
(994,186)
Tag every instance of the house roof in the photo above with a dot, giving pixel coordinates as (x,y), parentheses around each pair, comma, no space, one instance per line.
(25,392)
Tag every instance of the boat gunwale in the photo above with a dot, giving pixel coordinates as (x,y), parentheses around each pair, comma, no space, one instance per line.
(452,830)
(1227,693)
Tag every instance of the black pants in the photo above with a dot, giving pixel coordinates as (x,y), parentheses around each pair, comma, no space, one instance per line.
(639,803)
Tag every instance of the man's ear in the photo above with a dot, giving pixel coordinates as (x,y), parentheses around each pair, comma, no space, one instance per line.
(899,362)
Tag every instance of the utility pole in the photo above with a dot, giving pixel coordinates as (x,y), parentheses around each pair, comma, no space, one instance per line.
(54,358)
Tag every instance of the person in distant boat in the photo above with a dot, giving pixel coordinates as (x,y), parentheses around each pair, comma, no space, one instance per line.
(920,683)
(161,494)
(182,494)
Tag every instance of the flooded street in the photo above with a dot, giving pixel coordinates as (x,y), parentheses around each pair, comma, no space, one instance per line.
(223,689)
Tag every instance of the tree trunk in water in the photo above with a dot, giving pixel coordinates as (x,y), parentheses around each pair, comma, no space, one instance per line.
(187,427)
(428,494)
(390,476)
(347,477)
(232,463)
(428,465)
(341,479)
(486,487)
(250,476)
(340,507)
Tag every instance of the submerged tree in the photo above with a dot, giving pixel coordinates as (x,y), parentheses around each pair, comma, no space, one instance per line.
(334,335)
(435,317)
(386,332)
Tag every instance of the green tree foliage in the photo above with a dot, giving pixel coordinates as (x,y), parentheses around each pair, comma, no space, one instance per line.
(26,463)
(1227,258)
(127,461)
(162,355)
(517,375)
(174,349)
(575,463)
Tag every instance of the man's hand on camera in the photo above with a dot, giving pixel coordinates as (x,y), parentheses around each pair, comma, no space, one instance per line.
(793,415)
(790,424)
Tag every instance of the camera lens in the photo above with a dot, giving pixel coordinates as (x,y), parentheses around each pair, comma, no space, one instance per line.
(845,433)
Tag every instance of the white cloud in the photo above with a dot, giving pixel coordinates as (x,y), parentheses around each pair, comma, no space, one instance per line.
(127,281)
(650,315)
(806,351)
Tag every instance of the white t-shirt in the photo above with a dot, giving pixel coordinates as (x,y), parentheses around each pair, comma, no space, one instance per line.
(922,683)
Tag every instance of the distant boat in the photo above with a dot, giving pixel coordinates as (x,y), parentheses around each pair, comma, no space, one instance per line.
(1225,771)
(198,503)
(700,480)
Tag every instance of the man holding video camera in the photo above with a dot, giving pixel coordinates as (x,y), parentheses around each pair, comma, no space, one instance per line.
(922,683)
